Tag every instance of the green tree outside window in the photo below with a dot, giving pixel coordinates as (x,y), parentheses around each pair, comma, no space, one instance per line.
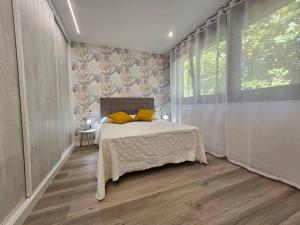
(213,69)
(270,50)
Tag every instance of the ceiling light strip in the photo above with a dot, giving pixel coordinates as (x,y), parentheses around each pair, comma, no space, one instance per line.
(73,15)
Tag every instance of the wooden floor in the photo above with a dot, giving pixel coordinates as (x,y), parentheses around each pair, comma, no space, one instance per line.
(220,193)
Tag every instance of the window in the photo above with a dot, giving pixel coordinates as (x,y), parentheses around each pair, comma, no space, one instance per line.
(213,69)
(187,80)
(270,50)
(256,58)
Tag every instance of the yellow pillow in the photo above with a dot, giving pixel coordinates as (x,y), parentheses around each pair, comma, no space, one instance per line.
(120,117)
(144,115)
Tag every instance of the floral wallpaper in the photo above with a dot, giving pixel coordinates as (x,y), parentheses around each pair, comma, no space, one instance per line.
(102,71)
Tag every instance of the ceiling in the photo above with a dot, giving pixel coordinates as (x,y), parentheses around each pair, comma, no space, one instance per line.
(135,24)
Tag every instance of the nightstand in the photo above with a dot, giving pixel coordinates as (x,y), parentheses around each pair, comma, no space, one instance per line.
(87,133)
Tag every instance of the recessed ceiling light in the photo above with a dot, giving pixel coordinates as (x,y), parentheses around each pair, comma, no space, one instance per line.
(73,16)
(170,34)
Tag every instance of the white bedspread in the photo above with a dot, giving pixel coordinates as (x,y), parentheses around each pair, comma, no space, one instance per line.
(141,145)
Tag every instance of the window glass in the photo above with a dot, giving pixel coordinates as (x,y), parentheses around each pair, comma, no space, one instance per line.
(187,81)
(213,69)
(270,50)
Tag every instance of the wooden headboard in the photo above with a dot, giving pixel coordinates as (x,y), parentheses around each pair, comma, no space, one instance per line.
(128,105)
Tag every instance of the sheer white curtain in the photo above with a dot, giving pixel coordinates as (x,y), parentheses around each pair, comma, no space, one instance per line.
(198,81)
(238,79)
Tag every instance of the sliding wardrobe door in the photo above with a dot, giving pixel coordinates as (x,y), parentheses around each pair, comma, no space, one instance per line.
(65,130)
(38,47)
(12,178)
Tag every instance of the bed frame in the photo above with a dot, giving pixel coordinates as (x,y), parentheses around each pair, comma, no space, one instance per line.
(128,105)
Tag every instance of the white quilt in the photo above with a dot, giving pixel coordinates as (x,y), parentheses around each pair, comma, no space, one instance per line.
(141,145)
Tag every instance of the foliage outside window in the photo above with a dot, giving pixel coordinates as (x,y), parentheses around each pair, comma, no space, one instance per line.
(270,49)
(212,69)
(212,62)
(187,80)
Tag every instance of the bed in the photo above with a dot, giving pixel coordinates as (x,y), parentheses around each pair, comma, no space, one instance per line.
(138,146)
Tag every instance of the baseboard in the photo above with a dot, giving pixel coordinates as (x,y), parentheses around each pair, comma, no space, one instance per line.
(22,211)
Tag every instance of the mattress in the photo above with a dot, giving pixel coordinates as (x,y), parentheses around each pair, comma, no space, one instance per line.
(141,145)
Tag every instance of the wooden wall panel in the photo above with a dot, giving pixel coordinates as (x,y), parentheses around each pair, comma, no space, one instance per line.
(12,178)
(37,28)
(64,89)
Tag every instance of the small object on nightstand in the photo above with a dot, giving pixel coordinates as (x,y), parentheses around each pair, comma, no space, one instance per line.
(87,132)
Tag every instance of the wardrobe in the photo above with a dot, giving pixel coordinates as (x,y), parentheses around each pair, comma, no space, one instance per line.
(36,124)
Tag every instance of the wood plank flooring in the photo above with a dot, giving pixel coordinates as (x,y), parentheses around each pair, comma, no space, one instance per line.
(219,193)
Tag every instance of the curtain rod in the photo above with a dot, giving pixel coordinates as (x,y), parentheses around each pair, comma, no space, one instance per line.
(208,21)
